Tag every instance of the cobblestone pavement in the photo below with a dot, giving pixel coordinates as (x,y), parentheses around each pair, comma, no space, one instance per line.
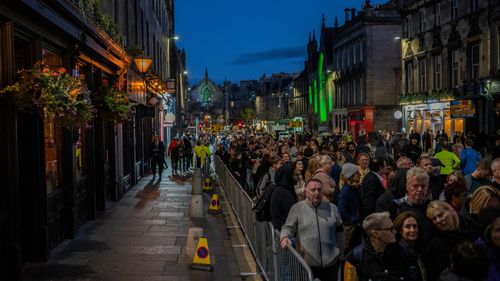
(141,238)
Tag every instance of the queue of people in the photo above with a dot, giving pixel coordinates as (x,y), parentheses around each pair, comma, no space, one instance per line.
(376,214)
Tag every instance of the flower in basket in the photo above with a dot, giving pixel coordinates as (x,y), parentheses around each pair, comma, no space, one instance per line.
(51,92)
(113,104)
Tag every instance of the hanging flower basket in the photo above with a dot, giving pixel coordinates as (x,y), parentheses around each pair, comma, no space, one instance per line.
(53,93)
(114,105)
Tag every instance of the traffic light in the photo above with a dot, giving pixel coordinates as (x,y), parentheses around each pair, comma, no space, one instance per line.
(240,125)
(199,126)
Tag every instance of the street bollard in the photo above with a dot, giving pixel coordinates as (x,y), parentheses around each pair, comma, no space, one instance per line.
(197,185)
(197,206)
(194,234)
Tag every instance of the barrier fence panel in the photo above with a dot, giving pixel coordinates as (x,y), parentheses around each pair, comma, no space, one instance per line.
(274,263)
(291,264)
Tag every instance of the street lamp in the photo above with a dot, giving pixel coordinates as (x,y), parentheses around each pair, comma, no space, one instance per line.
(175,37)
(185,72)
(143,63)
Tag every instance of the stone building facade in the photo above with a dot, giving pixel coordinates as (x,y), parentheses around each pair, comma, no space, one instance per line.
(451,65)
(353,73)
(365,69)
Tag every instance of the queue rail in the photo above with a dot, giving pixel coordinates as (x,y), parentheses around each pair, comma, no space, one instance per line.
(274,263)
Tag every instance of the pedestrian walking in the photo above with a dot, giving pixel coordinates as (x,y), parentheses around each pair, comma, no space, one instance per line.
(157,155)
(173,152)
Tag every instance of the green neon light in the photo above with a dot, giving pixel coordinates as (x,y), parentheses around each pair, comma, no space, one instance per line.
(322,102)
(315,96)
(330,93)
(310,96)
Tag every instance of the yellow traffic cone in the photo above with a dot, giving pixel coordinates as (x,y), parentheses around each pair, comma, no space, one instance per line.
(201,260)
(207,187)
(214,205)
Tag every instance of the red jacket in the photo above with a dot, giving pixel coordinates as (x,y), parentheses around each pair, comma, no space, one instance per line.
(172,145)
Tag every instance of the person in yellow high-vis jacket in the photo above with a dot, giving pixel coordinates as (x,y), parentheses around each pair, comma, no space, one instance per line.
(202,152)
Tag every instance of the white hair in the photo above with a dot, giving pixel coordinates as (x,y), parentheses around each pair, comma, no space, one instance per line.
(375,221)
(417,172)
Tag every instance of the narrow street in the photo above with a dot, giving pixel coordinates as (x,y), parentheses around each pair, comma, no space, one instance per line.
(141,238)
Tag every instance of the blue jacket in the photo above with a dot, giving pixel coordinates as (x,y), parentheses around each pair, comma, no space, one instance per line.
(468,160)
(335,172)
(350,205)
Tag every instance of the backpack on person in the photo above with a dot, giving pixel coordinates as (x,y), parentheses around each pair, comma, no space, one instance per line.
(357,260)
(262,207)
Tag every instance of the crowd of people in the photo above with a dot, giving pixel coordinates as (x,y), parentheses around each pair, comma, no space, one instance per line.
(408,208)
(182,152)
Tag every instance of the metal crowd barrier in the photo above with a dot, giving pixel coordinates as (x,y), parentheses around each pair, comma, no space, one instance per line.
(275,263)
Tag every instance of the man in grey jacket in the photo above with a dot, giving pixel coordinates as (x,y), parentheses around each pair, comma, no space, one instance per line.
(318,227)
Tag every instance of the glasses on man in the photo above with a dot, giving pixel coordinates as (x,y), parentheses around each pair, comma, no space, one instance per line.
(387,228)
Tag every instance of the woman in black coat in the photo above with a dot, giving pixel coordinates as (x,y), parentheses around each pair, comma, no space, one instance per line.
(452,229)
(238,169)
(283,196)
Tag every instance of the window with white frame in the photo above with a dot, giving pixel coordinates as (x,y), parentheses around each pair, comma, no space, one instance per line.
(437,14)
(409,77)
(422,20)
(348,51)
(343,58)
(362,91)
(361,51)
(454,9)
(408,27)
(422,74)
(474,5)
(437,72)
(358,91)
(355,53)
(455,64)
(498,47)
(474,58)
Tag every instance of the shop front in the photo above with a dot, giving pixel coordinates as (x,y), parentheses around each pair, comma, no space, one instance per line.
(432,116)
(360,119)
(340,119)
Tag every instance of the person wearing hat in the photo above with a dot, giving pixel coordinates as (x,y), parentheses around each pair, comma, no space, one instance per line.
(350,205)
(412,150)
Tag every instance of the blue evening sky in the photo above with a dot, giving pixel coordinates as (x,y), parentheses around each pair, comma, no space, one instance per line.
(242,39)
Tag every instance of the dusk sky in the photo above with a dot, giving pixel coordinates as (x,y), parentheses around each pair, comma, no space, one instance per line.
(242,39)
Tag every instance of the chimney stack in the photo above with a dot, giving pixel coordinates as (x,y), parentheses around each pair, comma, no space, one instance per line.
(353,13)
(346,11)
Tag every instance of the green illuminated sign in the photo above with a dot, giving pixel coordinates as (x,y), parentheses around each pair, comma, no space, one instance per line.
(206,94)
(315,96)
(322,102)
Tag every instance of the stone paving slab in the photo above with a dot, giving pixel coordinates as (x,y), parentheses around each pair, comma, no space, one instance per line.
(142,238)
